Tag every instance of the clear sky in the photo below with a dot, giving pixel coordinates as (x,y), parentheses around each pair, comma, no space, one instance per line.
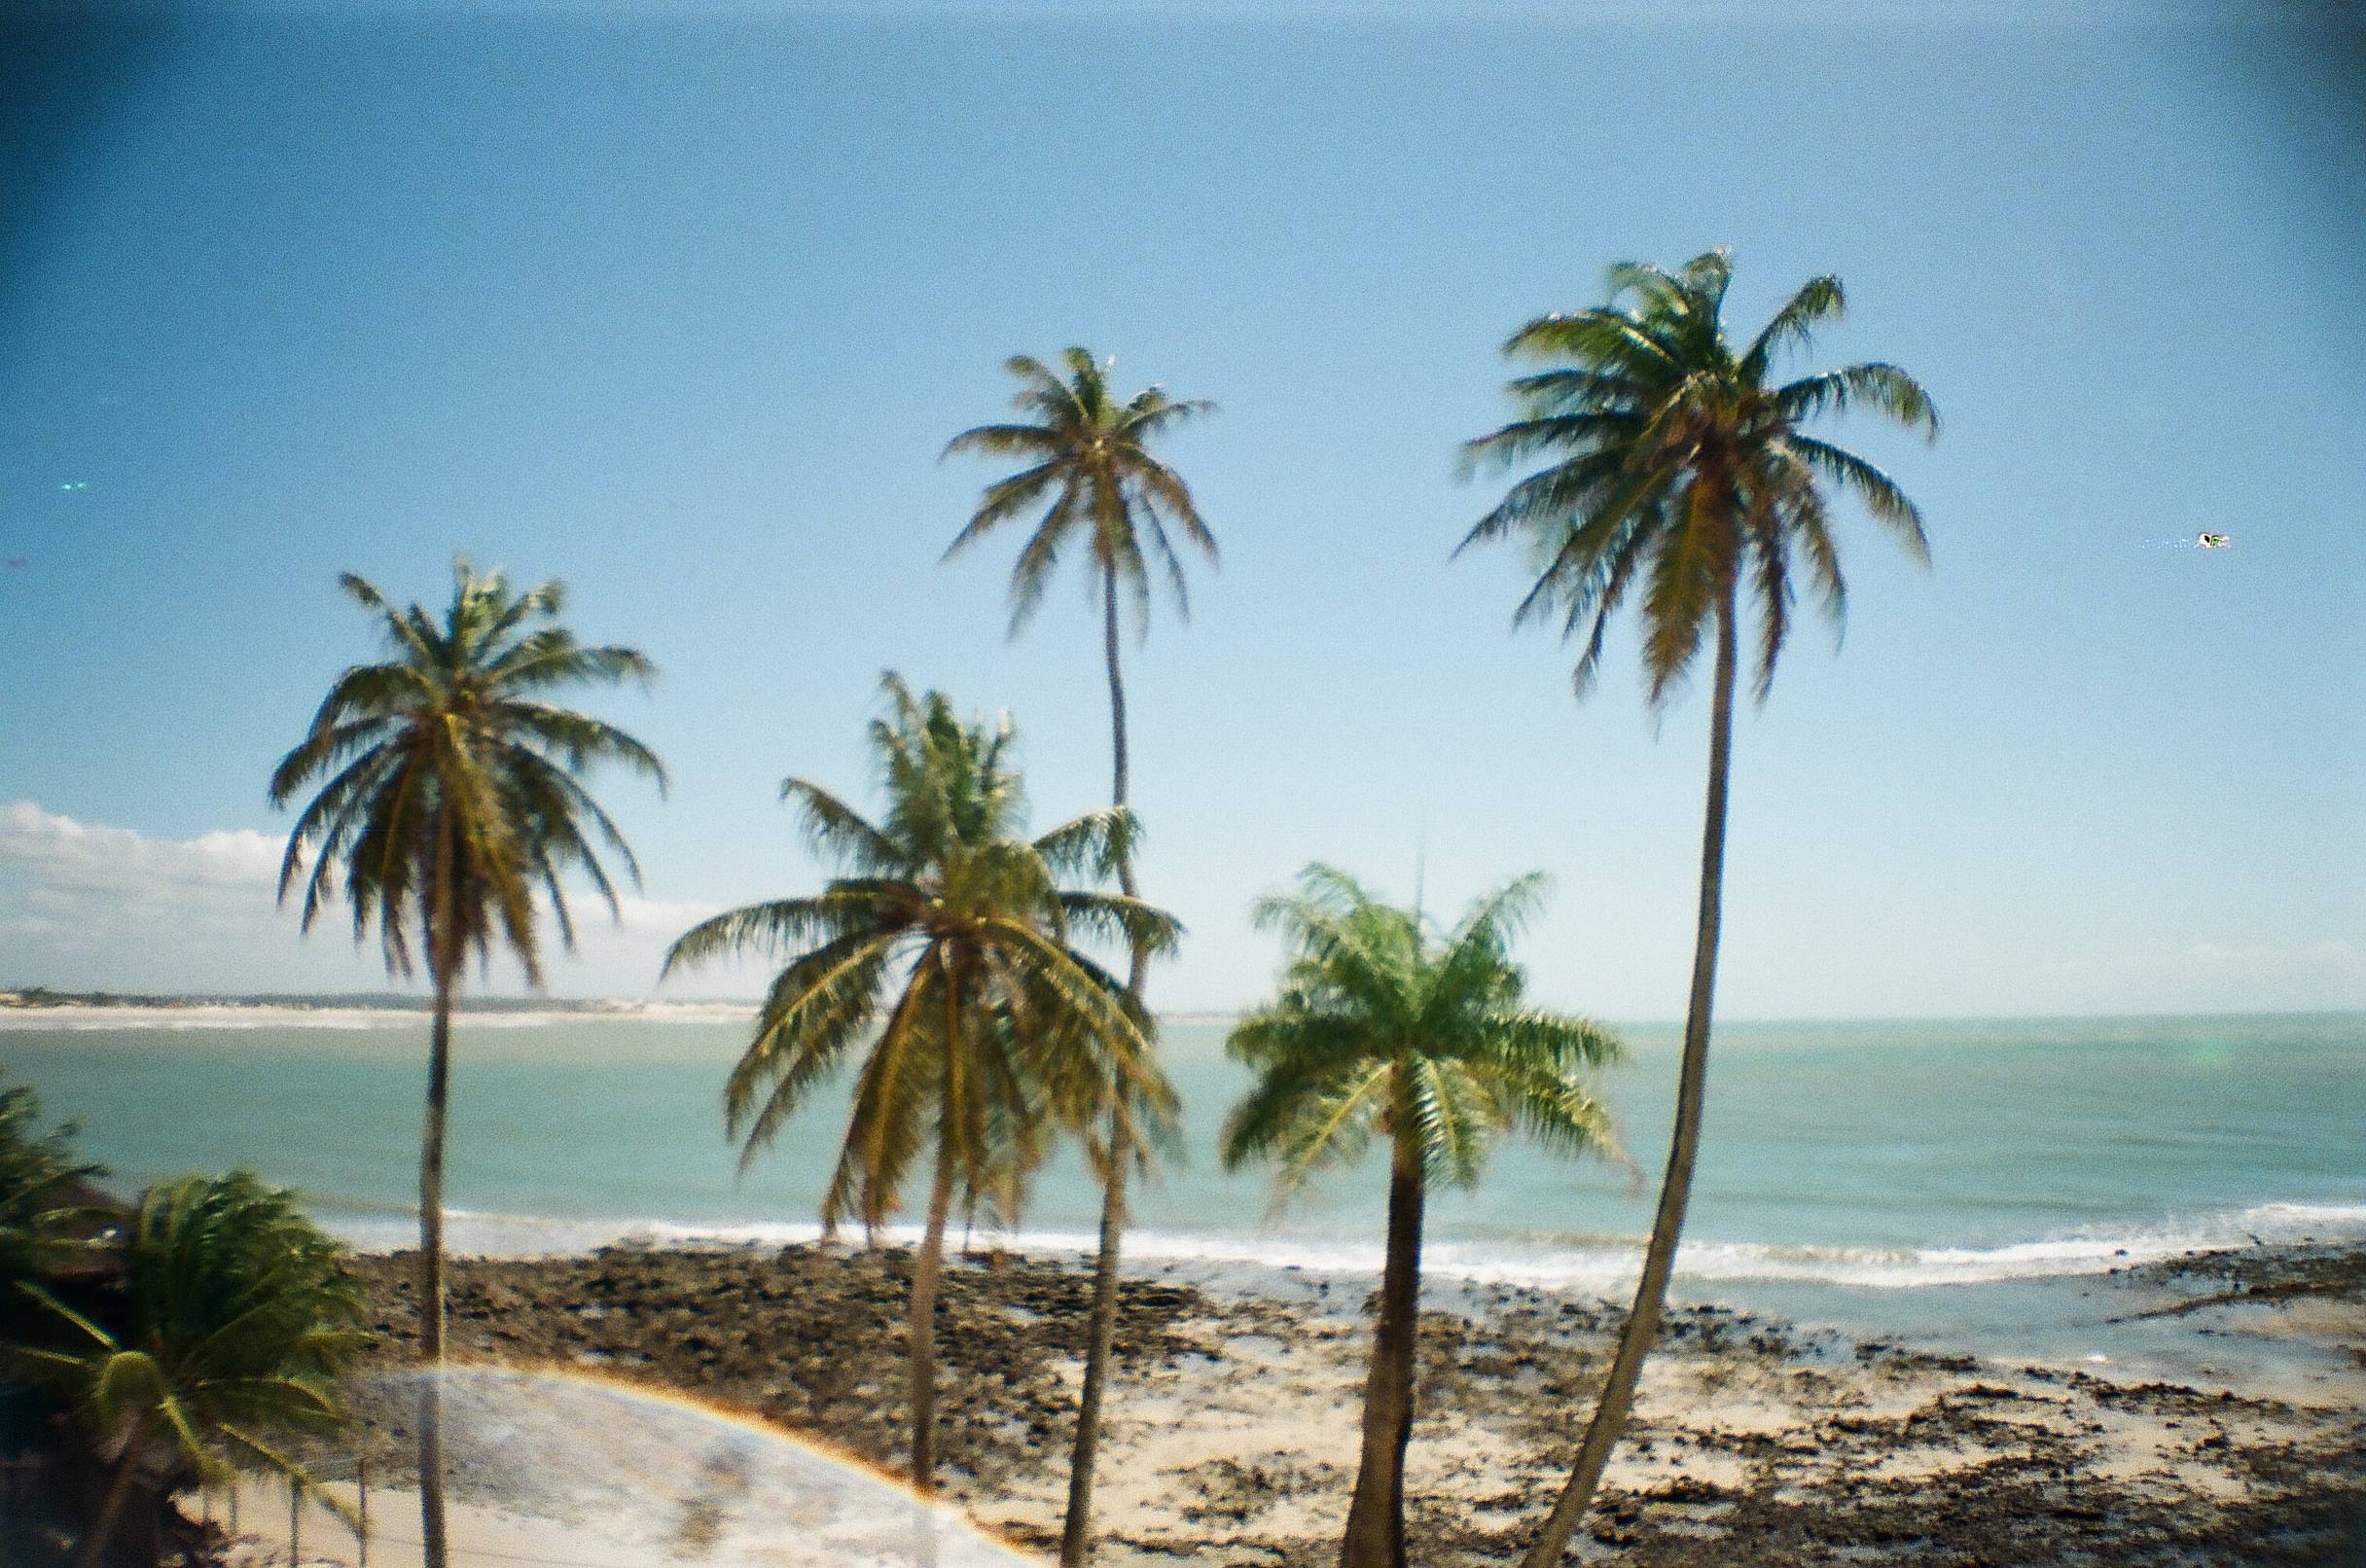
(680,304)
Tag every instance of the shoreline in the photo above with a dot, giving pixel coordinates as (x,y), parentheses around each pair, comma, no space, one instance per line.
(2092,1312)
(33,1007)
(1232,1419)
(1546,1259)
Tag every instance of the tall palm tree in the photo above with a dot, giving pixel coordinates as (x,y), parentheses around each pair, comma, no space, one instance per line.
(1088,467)
(958,934)
(451,799)
(1380,1027)
(237,1320)
(1677,461)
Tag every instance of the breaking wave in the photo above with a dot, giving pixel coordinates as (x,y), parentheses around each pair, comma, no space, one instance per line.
(1583,1263)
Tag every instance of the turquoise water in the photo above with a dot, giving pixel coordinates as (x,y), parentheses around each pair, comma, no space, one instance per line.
(1939,1178)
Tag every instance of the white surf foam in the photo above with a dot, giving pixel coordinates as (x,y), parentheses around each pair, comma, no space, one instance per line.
(1586,1264)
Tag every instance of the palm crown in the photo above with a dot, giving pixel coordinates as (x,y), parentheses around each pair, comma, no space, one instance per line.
(961,933)
(238,1319)
(1380,1026)
(1680,464)
(1090,466)
(447,766)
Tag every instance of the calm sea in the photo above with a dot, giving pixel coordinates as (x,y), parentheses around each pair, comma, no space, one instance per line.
(1967,1181)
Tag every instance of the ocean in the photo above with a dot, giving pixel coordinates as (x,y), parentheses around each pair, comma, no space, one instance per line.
(1967,1184)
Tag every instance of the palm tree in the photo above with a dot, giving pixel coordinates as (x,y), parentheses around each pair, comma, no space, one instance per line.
(451,799)
(43,1185)
(957,933)
(1679,464)
(1380,1027)
(1090,468)
(237,1320)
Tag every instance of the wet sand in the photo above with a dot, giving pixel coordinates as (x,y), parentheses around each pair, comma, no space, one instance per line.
(1231,1427)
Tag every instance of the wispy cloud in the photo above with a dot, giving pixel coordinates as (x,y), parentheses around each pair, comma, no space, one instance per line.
(57,851)
(2268,958)
(2211,974)
(93,906)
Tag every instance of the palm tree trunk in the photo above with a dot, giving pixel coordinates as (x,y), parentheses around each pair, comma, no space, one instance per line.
(1375,1519)
(111,1503)
(1642,1324)
(1076,1529)
(923,1354)
(431,1176)
(1117,700)
(443,962)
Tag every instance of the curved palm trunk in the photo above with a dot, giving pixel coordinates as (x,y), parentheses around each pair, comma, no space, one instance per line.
(925,1269)
(1076,1529)
(1375,1519)
(1675,1188)
(444,960)
(93,1552)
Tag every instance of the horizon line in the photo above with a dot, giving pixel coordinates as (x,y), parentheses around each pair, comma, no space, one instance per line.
(13,999)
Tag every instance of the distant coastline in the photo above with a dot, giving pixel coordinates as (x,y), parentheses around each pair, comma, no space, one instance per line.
(41,998)
(34,1007)
(28,1001)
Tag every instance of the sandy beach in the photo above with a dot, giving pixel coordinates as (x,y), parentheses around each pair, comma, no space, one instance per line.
(1234,1420)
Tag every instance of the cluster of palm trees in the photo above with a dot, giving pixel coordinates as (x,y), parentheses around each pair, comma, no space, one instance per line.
(948,962)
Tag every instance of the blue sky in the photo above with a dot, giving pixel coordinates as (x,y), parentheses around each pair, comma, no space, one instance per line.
(680,304)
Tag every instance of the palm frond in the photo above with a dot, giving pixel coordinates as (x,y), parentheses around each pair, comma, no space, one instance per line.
(813,1014)
(839,831)
(1880,494)
(1883,387)
(1687,579)
(843,910)
(1004,441)
(1816,301)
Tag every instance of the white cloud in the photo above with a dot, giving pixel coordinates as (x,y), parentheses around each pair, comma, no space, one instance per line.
(62,852)
(96,906)
(2274,959)
(666,917)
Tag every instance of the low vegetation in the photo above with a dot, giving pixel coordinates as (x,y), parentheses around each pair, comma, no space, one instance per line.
(157,1347)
